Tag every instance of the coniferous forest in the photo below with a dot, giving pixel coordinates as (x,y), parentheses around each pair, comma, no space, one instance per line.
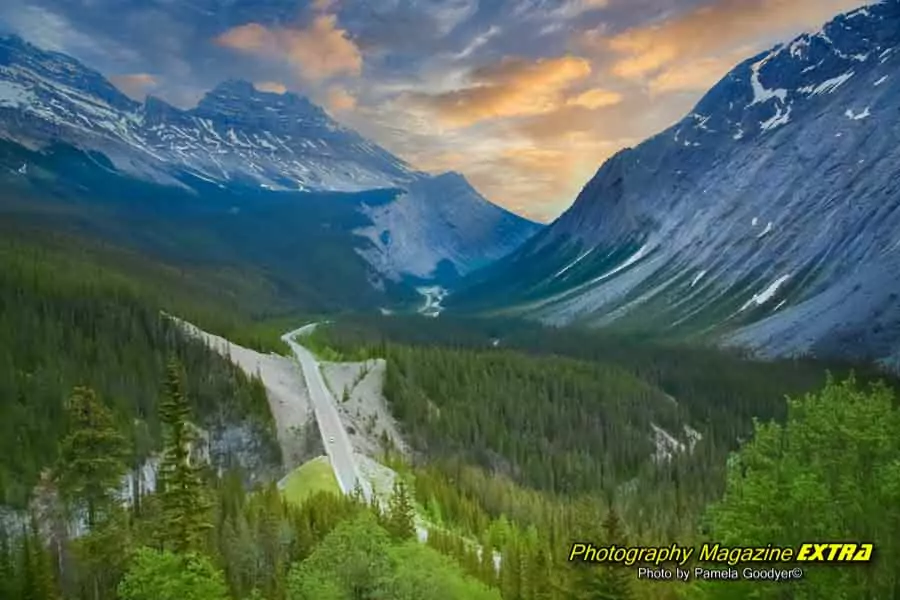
(524,440)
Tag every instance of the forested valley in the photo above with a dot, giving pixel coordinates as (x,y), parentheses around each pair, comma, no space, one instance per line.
(95,379)
(525,440)
(560,431)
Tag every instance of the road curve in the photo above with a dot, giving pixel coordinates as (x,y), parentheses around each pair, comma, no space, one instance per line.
(334,436)
(340,451)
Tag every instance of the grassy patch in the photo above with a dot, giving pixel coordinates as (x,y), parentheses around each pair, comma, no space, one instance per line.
(310,478)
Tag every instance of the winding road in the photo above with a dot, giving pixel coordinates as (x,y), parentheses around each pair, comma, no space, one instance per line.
(334,436)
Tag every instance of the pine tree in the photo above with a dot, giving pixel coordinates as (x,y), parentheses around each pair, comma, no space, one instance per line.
(91,457)
(540,576)
(615,583)
(89,471)
(400,517)
(185,510)
(37,574)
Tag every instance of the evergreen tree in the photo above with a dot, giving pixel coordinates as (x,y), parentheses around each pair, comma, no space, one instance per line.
(185,510)
(539,576)
(37,574)
(102,554)
(401,513)
(91,457)
(615,584)
(831,472)
(89,472)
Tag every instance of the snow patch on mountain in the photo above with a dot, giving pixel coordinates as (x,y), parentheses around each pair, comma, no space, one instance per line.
(240,136)
(441,221)
(764,296)
(572,264)
(697,278)
(781,117)
(777,150)
(760,93)
(235,133)
(434,296)
(641,253)
(14,95)
(829,86)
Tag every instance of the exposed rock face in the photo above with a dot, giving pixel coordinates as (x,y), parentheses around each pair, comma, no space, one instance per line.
(769,216)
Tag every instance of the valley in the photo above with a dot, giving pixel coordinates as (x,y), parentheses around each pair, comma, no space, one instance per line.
(764,219)
(247,352)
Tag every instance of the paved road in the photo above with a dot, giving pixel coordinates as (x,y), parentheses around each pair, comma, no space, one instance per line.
(340,451)
(334,436)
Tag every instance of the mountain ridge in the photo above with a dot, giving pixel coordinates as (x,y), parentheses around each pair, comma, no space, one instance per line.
(753,220)
(240,136)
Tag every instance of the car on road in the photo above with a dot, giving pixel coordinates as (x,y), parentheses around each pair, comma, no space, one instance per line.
(331,440)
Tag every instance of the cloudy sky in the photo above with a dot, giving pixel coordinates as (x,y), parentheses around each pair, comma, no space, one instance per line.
(524,97)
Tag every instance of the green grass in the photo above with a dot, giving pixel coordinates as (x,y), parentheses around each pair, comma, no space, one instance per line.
(310,478)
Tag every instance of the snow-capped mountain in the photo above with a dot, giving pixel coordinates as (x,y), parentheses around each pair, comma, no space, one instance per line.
(240,136)
(235,133)
(445,223)
(769,216)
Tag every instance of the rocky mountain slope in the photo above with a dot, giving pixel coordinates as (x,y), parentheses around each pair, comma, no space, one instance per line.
(240,137)
(769,217)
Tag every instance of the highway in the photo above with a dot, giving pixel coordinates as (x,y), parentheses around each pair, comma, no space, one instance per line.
(340,451)
(334,436)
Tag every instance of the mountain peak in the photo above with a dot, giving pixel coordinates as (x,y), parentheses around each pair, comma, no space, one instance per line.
(237,86)
(61,68)
(766,216)
(242,103)
(451,176)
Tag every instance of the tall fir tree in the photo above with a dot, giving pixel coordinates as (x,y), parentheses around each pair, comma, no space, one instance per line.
(401,513)
(185,509)
(615,583)
(92,457)
(89,473)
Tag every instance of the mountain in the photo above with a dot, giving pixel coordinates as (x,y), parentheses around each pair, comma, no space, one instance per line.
(768,218)
(238,137)
(444,223)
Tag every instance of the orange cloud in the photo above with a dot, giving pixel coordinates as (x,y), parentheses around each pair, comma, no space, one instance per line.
(443,161)
(319,51)
(538,182)
(509,88)
(686,53)
(696,75)
(273,87)
(596,98)
(708,37)
(339,99)
(135,85)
